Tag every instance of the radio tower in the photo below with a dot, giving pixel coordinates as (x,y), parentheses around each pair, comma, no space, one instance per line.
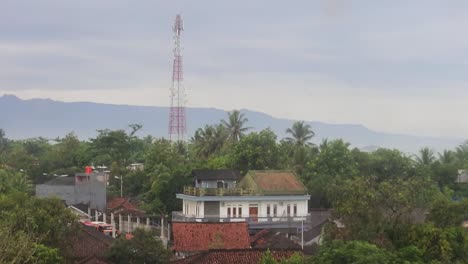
(177,122)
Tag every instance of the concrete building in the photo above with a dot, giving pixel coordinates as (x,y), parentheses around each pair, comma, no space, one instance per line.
(261,198)
(462,176)
(82,188)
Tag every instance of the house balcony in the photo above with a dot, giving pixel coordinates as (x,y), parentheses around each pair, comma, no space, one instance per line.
(194,191)
(256,222)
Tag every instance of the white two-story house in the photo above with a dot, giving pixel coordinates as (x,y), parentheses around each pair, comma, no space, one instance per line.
(259,197)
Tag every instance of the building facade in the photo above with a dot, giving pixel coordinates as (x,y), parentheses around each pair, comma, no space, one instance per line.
(83,188)
(260,197)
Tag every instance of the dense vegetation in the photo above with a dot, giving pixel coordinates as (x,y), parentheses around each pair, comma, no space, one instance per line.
(378,197)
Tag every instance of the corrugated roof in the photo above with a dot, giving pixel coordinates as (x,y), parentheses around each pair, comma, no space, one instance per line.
(274,183)
(223,174)
(192,237)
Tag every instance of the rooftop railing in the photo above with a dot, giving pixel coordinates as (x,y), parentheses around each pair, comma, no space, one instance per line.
(194,191)
(253,222)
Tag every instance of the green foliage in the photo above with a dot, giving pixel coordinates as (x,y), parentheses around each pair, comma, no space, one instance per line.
(11,181)
(268,258)
(45,255)
(448,213)
(235,125)
(300,134)
(387,163)
(144,247)
(369,208)
(334,160)
(257,151)
(209,140)
(445,245)
(356,252)
(46,220)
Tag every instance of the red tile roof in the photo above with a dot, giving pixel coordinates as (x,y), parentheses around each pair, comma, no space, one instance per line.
(192,237)
(94,260)
(121,204)
(244,256)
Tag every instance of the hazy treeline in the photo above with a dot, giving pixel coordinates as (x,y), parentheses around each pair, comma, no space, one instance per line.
(376,195)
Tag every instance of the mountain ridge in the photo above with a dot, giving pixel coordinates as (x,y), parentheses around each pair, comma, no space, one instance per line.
(51,118)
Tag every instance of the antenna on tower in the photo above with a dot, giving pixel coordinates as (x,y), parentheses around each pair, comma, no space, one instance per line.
(177,121)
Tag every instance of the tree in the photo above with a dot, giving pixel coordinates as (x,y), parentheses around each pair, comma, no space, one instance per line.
(356,252)
(268,258)
(235,125)
(390,163)
(11,181)
(144,247)
(209,140)
(300,134)
(334,160)
(257,151)
(447,157)
(461,154)
(111,146)
(373,210)
(4,146)
(426,157)
(436,245)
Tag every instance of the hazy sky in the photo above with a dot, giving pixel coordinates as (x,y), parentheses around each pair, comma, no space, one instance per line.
(395,66)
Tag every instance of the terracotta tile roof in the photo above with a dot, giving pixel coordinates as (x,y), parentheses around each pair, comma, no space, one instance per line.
(89,242)
(244,256)
(123,205)
(192,237)
(94,260)
(274,183)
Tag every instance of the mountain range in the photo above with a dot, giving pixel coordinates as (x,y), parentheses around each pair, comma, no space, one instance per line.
(22,119)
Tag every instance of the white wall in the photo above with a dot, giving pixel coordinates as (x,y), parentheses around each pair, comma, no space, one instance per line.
(192,209)
(302,206)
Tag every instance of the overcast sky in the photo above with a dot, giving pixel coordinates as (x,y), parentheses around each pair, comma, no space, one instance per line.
(394,66)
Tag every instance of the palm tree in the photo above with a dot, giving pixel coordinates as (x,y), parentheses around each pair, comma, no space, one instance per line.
(426,156)
(447,157)
(300,134)
(461,153)
(235,125)
(209,140)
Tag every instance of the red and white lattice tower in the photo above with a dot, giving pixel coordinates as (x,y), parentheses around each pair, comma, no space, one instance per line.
(177,121)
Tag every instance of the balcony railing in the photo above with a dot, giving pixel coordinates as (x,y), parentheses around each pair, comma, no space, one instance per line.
(253,222)
(194,191)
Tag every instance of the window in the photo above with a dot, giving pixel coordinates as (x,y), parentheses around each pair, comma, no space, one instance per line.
(234,212)
(275,210)
(268,210)
(229,212)
(219,184)
(240,210)
(295,210)
(288,210)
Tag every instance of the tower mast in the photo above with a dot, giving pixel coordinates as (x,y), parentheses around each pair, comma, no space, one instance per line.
(177,121)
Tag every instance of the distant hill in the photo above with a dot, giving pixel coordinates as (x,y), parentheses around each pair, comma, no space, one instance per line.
(48,118)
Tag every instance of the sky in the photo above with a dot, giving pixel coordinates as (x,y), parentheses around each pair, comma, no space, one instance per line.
(393,66)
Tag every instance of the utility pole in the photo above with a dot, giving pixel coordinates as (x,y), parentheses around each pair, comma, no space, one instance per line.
(121,184)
